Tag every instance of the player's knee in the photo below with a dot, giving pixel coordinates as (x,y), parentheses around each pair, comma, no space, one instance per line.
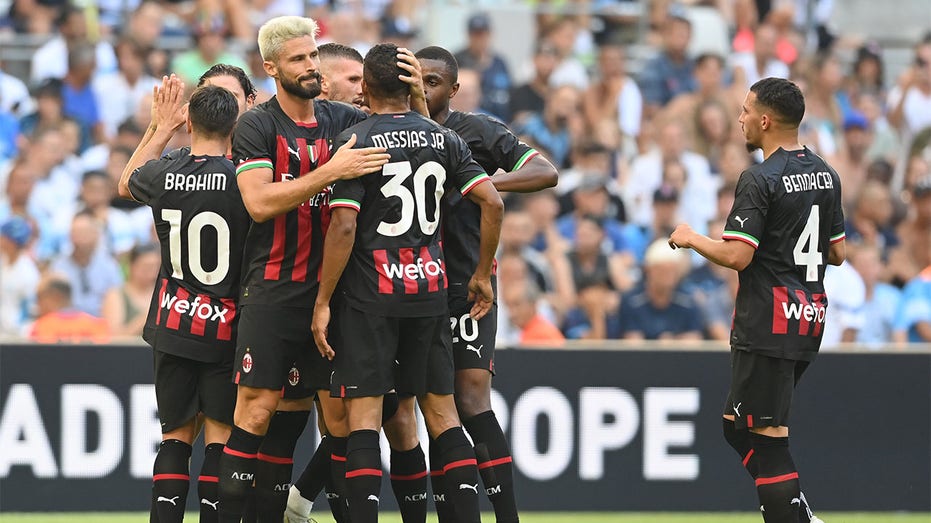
(439,413)
(334,416)
(473,393)
(254,417)
(184,433)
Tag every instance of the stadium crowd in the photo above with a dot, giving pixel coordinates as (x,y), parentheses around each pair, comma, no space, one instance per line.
(639,149)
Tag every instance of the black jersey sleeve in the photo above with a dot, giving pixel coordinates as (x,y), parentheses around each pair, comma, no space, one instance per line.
(143,184)
(251,147)
(751,204)
(466,173)
(507,151)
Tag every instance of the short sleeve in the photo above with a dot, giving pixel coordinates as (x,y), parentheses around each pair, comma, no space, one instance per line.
(251,149)
(751,203)
(466,173)
(507,151)
(142,182)
(348,194)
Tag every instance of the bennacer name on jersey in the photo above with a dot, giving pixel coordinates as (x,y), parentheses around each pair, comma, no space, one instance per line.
(195,182)
(807,182)
(409,139)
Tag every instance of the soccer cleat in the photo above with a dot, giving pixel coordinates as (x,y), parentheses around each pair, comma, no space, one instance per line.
(815,519)
(298,508)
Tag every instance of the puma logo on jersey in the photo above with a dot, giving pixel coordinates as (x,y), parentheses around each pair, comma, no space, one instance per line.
(477,351)
(463,486)
(741,220)
(295,152)
(373,497)
(173,500)
(205,501)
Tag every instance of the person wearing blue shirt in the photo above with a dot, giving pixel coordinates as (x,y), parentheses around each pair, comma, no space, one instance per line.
(671,72)
(882,300)
(495,77)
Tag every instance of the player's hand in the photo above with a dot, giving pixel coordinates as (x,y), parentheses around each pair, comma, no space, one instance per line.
(681,237)
(320,326)
(414,79)
(481,295)
(352,163)
(168,104)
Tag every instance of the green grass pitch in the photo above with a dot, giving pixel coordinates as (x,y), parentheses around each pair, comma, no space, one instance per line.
(526,517)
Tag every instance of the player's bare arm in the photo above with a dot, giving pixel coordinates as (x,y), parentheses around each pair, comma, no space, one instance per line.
(480,292)
(340,238)
(535,175)
(838,253)
(265,199)
(733,254)
(168,115)
(414,79)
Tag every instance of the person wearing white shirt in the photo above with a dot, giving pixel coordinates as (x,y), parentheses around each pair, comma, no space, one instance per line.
(119,93)
(847,297)
(51,59)
(19,276)
(762,62)
(14,96)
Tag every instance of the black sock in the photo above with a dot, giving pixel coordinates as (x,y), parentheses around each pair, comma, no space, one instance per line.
(312,481)
(275,463)
(237,472)
(409,483)
(804,512)
(777,480)
(739,440)
(363,476)
(170,480)
(460,470)
(495,464)
(444,509)
(336,488)
(207,483)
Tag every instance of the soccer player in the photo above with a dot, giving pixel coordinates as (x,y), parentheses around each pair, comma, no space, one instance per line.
(191,325)
(495,148)
(284,166)
(785,225)
(391,304)
(233,79)
(341,81)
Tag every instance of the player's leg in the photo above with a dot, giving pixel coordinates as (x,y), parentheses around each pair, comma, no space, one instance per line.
(460,469)
(176,397)
(363,458)
(217,401)
(333,413)
(276,457)
(473,353)
(313,479)
(738,439)
(408,464)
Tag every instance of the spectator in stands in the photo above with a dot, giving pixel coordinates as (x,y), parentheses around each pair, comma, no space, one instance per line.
(89,267)
(9,135)
(14,200)
(666,215)
(913,317)
(562,34)
(78,99)
(469,96)
(557,126)
(851,161)
(591,264)
(613,103)
(882,300)
(592,200)
(596,317)
(210,48)
(713,132)
(51,60)
(52,197)
(59,322)
(125,308)
(823,113)
(120,231)
(49,108)
(530,97)
(20,276)
(517,231)
(659,310)
(885,140)
(867,75)
(710,87)
(14,95)
(119,93)
(670,73)
(869,221)
(913,252)
(496,80)
(909,104)
(847,294)
(521,298)
(762,62)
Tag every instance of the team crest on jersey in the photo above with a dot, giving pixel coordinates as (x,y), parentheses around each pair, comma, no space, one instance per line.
(247,363)
(294,376)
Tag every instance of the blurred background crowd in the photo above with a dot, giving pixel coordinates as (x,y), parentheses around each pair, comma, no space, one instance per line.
(636,103)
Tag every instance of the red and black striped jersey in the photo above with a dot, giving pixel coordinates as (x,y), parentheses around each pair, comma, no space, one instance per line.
(201,225)
(283,255)
(397,265)
(788,208)
(494,147)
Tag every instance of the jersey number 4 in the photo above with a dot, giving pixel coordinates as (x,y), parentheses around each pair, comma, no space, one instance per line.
(806,251)
(412,203)
(194,230)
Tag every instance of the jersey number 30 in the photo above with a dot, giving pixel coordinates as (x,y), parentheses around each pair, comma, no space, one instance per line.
(416,202)
(806,251)
(194,230)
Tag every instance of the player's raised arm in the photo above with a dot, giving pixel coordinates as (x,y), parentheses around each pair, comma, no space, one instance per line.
(480,291)
(168,115)
(337,247)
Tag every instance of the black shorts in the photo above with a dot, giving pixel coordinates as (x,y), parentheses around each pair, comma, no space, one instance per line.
(761,389)
(474,341)
(184,387)
(367,346)
(275,349)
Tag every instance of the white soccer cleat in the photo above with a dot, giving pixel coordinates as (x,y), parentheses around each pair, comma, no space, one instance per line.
(815,519)
(298,508)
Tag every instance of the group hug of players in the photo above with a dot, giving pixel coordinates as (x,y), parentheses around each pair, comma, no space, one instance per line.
(314,253)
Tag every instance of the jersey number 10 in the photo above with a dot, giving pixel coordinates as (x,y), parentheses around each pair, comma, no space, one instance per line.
(811,257)
(416,202)
(194,231)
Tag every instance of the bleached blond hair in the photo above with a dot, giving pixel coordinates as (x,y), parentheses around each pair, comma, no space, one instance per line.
(275,32)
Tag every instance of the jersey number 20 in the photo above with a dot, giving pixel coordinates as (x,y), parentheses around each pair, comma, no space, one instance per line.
(194,229)
(806,251)
(416,202)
